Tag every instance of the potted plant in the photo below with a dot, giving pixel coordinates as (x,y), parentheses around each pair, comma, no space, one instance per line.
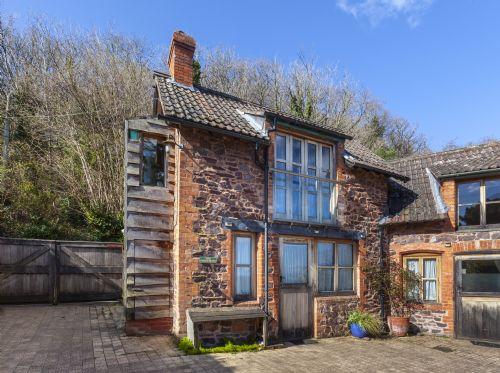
(363,324)
(400,287)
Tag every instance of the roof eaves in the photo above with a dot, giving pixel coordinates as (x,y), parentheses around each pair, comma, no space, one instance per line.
(397,219)
(457,175)
(382,171)
(199,125)
(308,125)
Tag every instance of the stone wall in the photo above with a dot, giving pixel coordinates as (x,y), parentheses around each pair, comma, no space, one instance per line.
(331,313)
(362,202)
(442,240)
(215,333)
(218,177)
(429,322)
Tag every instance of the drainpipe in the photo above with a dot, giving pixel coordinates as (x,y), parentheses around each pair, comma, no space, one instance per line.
(266,238)
(381,264)
(266,242)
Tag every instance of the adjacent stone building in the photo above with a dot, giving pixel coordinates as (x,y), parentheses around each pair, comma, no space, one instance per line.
(216,184)
(446,221)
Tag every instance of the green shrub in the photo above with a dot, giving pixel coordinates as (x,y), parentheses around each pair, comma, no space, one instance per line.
(229,347)
(371,324)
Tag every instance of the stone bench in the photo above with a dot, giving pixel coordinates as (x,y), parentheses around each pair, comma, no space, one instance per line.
(197,316)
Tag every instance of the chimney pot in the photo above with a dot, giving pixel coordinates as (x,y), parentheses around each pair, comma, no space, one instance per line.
(180,58)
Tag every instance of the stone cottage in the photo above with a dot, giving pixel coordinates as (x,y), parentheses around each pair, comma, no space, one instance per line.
(241,221)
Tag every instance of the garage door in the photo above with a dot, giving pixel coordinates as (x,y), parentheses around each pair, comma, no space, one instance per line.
(478,297)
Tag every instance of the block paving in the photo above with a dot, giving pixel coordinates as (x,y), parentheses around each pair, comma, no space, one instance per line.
(89,337)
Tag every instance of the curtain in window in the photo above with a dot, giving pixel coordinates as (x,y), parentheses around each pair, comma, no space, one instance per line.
(430,276)
(412,265)
(325,279)
(345,259)
(243,262)
(345,255)
(294,263)
(345,279)
(326,258)
(326,254)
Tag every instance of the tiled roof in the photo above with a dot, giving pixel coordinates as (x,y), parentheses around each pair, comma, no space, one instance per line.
(215,109)
(206,107)
(412,201)
(363,157)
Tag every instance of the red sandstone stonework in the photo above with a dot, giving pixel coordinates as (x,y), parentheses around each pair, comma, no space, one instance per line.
(440,238)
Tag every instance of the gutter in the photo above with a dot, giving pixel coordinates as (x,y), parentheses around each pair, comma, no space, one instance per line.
(351,162)
(470,173)
(307,125)
(206,127)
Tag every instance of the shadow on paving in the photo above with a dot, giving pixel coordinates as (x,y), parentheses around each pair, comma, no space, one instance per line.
(86,337)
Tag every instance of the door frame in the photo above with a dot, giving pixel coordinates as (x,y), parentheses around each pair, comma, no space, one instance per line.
(458,258)
(310,258)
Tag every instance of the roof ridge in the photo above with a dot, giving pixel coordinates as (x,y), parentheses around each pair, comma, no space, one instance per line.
(211,90)
(265,108)
(451,151)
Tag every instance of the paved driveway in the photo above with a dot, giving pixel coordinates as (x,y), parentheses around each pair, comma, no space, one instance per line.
(88,338)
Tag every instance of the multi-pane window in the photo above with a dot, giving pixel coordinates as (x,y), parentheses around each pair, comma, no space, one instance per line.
(153,162)
(427,268)
(243,267)
(478,203)
(335,267)
(303,180)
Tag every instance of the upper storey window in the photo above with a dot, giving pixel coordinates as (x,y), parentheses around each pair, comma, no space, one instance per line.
(479,203)
(304,183)
(153,162)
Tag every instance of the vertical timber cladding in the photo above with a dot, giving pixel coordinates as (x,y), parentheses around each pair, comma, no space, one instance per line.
(148,222)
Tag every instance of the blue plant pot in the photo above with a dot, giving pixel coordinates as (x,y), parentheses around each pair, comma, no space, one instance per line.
(357,331)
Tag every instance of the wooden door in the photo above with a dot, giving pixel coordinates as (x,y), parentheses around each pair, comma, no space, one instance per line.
(294,291)
(478,297)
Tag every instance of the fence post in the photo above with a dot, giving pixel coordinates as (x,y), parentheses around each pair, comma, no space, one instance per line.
(54,273)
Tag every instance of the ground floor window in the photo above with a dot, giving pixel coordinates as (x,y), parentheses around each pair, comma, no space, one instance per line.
(481,276)
(335,267)
(428,269)
(244,267)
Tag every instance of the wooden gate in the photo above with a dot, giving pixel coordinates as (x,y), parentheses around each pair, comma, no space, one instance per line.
(53,271)
(477,296)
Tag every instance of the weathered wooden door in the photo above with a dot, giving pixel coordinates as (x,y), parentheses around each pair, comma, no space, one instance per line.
(294,291)
(478,297)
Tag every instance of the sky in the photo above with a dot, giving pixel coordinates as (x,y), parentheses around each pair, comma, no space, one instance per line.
(434,62)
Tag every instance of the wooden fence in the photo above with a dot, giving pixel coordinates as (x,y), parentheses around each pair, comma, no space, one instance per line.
(54,271)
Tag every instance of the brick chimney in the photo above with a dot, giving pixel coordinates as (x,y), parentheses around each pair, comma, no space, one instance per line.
(180,58)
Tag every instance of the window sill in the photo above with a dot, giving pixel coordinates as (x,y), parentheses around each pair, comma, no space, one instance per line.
(305,223)
(479,228)
(251,302)
(344,294)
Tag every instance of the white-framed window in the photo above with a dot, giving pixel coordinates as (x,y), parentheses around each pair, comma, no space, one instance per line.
(304,180)
(336,269)
(244,267)
(428,269)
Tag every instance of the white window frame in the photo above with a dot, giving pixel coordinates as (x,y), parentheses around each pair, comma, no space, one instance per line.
(288,216)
